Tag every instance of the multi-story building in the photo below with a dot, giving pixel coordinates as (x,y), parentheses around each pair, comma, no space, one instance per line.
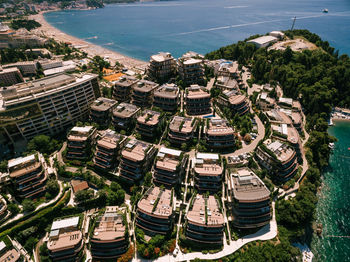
(101,110)
(219,134)
(248,198)
(124,116)
(191,70)
(155,211)
(28,175)
(136,159)
(207,170)
(149,123)
(265,102)
(46,106)
(108,148)
(142,93)
(182,129)
(226,68)
(26,67)
(169,167)
(123,87)
(278,158)
(226,83)
(197,100)
(10,76)
(65,242)
(162,66)
(167,97)
(8,253)
(234,100)
(109,238)
(49,64)
(79,142)
(205,221)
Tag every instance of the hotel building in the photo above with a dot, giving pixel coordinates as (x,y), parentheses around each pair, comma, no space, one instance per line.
(197,100)
(149,123)
(9,253)
(248,198)
(123,87)
(136,160)
(162,66)
(205,221)
(232,99)
(169,166)
(101,110)
(46,106)
(167,97)
(124,116)
(28,175)
(108,148)
(155,211)
(278,158)
(142,93)
(10,76)
(218,134)
(191,70)
(79,142)
(65,241)
(109,238)
(207,171)
(182,129)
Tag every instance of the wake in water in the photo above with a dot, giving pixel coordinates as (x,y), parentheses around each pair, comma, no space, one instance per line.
(236,6)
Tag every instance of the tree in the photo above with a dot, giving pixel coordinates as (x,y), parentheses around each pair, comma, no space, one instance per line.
(43,144)
(84,195)
(28,205)
(13,208)
(3,166)
(147,181)
(52,187)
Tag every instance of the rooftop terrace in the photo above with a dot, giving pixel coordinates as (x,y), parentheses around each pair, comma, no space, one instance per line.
(206,164)
(157,201)
(136,150)
(125,110)
(168,159)
(145,86)
(282,151)
(161,57)
(167,91)
(80,134)
(109,139)
(182,124)
(103,104)
(196,92)
(219,127)
(149,117)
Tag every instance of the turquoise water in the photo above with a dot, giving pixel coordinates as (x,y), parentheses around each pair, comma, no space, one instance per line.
(142,29)
(333,209)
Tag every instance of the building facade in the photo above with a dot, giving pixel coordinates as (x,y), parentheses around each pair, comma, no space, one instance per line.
(197,100)
(142,93)
(161,67)
(124,116)
(101,110)
(167,97)
(191,71)
(234,100)
(149,123)
(10,76)
(219,134)
(182,129)
(79,142)
(123,87)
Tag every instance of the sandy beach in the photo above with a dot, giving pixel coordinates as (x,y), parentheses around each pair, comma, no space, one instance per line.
(49,31)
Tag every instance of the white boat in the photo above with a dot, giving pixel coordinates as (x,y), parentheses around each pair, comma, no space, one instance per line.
(325,10)
(331,145)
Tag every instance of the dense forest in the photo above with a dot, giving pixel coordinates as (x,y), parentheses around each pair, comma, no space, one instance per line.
(24,23)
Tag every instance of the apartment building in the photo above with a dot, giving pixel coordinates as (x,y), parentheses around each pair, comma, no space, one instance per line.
(10,76)
(46,106)
(191,70)
(278,158)
(197,100)
(109,238)
(9,253)
(169,167)
(182,129)
(65,242)
(27,68)
(79,142)
(248,198)
(136,160)
(226,68)
(123,87)
(108,149)
(155,211)
(265,102)
(124,116)
(149,123)
(235,101)
(162,66)
(207,170)
(101,110)
(142,93)
(28,175)
(219,134)
(205,221)
(167,97)
(226,83)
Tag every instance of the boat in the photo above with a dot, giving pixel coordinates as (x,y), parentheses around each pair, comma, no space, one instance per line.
(331,145)
(325,10)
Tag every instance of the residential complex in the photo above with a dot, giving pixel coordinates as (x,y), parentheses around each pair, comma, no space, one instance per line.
(155,211)
(161,67)
(101,110)
(10,76)
(182,129)
(46,106)
(80,141)
(28,175)
(167,97)
(27,68)
(108,149)
(124,116)
(65,242)
(136,159)
(149,123)
(235,101)
(219,134)
(197,100)
(207,171)
(191,70)
(123,87)
(169,167)
(205,221)
(142,93)
(249,199)
(109,238)
(9,253)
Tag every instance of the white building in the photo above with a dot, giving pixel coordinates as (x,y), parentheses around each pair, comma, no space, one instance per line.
(263,41)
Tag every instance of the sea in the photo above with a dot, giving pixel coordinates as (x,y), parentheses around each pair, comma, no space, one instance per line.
(142,29)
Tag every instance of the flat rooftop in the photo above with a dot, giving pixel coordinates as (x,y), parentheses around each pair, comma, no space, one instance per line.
(156,202)
(282,151)
(65,223)
(125,110)
(66,240)
(109,139)
(103,104)
(192,61)
(161,57)
(20,161)
(8,70)
(285,100)
(200,207)
(145,86)
(263,39)
(149,117)
(278,116)
(136,150)
(10,255)
(110,225)
(167,91)
(219,127)
(206,164)
(168,159)
(227,82)
(182,124)
(80,134)
(196,91)
(126,81)
(247,186)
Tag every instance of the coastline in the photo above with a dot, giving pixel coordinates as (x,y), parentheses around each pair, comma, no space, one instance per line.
(49,31)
